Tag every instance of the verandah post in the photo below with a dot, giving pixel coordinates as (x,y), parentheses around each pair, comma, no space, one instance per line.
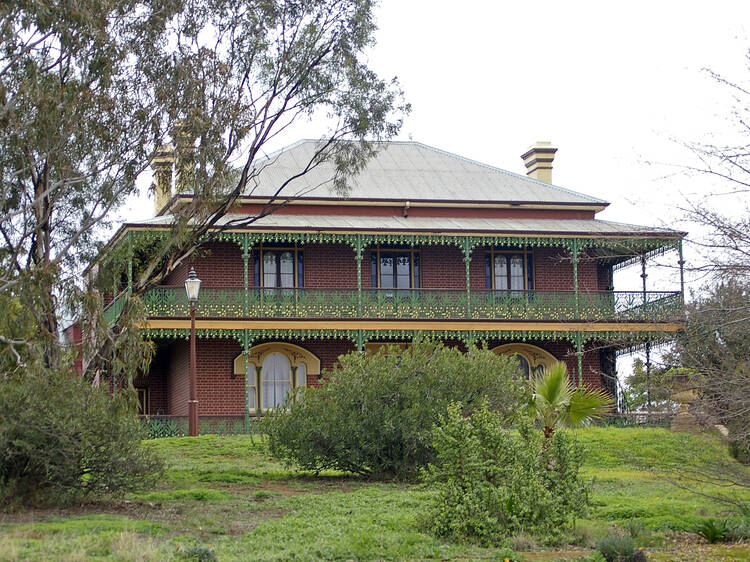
(358,258)
(579,356)
(246,276)
(467,266)
(574,252)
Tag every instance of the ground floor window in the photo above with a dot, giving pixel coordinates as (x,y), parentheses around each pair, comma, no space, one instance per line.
(276,370)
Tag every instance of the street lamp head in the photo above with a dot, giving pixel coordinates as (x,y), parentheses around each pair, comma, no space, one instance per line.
(192,286)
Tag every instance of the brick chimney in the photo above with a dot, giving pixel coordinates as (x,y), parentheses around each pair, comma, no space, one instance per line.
(538,160)
(162,163)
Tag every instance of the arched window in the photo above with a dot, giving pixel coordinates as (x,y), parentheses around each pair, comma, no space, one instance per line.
(524,369)
(275,369)
(276,380)
(531,359)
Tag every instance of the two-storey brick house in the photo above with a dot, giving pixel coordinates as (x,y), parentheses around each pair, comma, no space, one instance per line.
(427,242)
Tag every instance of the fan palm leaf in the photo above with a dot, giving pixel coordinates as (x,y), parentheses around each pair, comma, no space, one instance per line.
(555,401)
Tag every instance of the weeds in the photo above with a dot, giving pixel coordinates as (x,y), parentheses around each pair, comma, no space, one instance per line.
(712,530)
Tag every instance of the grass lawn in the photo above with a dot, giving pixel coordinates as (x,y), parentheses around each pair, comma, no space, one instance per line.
(225,496)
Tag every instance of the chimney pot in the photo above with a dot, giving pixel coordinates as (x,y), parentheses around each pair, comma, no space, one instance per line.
(538,160)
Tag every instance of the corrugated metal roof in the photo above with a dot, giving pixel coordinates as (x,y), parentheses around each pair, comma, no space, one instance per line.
(436,225)
(407,171)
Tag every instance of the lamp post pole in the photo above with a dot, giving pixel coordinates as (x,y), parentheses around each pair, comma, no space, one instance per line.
(193,403)
(192,288)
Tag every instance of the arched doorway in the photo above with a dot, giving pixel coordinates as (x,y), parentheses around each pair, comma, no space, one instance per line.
(531,359)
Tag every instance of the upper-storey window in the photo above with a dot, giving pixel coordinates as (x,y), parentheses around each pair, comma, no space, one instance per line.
(509,270)
(275,266)
(394,268)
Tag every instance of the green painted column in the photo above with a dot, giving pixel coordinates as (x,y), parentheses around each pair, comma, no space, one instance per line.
(579,356)
(467,267)
(358,258)
(360,341)
(574,257)
(246,275)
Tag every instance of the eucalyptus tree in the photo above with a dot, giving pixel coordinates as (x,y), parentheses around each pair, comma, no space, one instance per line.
(90,90)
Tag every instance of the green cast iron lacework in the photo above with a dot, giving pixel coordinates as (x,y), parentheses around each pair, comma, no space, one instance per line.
(418,304)
(631,244)
(468,336)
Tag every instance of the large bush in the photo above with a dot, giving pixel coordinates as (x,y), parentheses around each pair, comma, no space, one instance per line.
(491,483)
(374,414)
(61,439)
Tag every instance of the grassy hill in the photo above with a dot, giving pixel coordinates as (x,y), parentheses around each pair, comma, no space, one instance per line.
(224,496)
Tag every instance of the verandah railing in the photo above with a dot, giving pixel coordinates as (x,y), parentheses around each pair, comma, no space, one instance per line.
(231,302)
(177,426)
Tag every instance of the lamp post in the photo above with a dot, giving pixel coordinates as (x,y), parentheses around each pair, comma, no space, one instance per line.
(192,288)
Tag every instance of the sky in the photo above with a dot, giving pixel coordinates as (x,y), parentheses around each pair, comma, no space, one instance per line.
(618,88)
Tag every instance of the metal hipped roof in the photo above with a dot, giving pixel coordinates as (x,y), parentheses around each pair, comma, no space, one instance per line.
(407,171)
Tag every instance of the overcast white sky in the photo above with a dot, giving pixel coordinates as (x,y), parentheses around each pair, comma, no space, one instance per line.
(612,85)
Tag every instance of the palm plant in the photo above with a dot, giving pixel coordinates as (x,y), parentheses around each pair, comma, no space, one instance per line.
(555,401)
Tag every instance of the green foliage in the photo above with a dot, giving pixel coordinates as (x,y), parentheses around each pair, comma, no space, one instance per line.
(738,530)
(374,413)
(557,402)
(199,553)
(491,483)
(196,494)
(635,528)
(619,548)
(713,530)
(740,449)
(61,439)
(656,385)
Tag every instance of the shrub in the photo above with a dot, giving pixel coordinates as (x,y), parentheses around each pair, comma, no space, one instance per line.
(635,528)
(373,415)
(491,483)
(712,530)
(61,439)
(740,450)
(738,531)
(619,548)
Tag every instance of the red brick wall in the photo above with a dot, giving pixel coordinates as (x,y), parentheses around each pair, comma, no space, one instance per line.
(442,267)
(332,266)
(553,271)
(218,264)
(178,381)
(218,391)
